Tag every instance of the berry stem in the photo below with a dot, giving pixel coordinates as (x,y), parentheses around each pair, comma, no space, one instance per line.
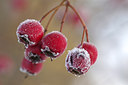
(46,28)
(82,22)
(52,10)
(63,19)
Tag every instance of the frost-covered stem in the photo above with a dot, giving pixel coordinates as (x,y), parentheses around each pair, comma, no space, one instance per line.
(82,22)
(63,19)
(52,10)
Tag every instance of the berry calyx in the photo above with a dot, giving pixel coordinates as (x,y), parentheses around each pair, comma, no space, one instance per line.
(30,68)
(92,50)
(78,61)
(34,54)
(30,32)
(54,44)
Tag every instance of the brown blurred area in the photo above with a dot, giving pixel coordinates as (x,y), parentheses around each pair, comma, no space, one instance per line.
(104,31)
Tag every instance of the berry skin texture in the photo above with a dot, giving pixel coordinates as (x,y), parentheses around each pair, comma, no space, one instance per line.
(30,68)
(78,61)
(54,44)
(34,54)
(30,32)
(92,50)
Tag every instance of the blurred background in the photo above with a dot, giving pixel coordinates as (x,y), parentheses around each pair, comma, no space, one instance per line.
(107,22)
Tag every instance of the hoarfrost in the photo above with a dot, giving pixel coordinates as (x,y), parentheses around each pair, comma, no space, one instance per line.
(27,72)
(28,21)
(78,52)
(48,52)
(57,32)
(25,39)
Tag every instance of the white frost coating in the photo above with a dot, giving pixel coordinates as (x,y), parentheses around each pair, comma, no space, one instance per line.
(58,33)
(26,37)
(24,22)
(18,37)
(25,71)
(29,20)
(78,52)
(47,49)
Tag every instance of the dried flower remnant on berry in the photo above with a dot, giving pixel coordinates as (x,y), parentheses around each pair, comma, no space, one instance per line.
(34,54)
(78,61)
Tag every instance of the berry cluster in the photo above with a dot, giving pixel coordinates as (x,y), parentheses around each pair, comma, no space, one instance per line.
(39,46)
(80,58)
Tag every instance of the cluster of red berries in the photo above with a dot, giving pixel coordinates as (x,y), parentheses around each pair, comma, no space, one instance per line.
(40,46)
(37,46)
(80,58)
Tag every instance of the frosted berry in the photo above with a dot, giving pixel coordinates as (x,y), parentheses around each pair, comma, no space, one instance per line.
(54,44)
(30,32)
(78,61)
(92,50)
(34,54)
(30,68)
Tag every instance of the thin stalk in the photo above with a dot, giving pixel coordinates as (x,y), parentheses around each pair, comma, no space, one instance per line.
(52,10)
(82,22)
(46,28)
(63,19)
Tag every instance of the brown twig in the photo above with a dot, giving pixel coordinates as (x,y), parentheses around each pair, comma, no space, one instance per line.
(63,19)
(46,28)
(82,22)
(52,10)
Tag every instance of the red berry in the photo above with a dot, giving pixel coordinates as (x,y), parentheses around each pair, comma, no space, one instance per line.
(78,61)
(34,54)
(54,44)
(6,64)
(91,50)
(30,32)
(30,68)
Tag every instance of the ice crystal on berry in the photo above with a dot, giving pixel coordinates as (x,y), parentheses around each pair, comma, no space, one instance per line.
(34,54)
(30,32)
(78,61)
